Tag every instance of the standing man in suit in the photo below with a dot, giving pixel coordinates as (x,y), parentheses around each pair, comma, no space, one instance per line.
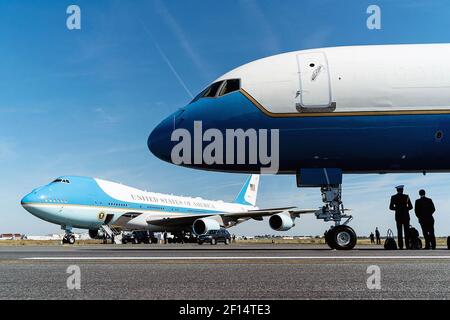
(424,209)
(377,235)
(401,204)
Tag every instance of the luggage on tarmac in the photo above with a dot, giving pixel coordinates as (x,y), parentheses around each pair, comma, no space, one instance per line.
(390,243)
(415,242)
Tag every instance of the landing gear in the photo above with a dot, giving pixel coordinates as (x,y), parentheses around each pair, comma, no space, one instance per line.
(340,236)
(69,237)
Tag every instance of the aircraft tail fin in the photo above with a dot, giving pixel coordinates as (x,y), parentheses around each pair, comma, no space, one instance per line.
(249,191)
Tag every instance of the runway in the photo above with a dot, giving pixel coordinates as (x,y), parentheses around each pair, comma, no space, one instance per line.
(235,272)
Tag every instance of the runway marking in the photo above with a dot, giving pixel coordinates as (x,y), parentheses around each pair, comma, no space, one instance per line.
(242,258)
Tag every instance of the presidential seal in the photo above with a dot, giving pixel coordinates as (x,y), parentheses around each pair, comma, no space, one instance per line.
(101,216)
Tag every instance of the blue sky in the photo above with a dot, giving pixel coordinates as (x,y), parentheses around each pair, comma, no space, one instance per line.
(83,102)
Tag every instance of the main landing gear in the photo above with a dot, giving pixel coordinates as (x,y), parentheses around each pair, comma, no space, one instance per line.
(340,236)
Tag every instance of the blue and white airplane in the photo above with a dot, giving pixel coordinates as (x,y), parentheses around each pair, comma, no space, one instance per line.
(94,204)
(357,109)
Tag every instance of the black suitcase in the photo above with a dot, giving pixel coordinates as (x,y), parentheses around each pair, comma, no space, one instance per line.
(390,243)
(415,242)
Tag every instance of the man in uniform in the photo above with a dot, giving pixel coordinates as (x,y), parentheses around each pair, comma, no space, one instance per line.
(424,209)
(401,204)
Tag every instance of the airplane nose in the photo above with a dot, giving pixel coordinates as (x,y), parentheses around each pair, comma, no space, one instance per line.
(29,198)
(159,142)
(33,202)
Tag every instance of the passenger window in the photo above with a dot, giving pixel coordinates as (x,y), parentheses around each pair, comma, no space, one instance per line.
(231,85)
(211,92)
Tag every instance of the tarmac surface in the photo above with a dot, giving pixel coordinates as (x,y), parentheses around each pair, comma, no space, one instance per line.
(238,271)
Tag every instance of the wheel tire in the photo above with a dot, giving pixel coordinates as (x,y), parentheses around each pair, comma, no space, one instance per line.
(64,240)
(200,243)
(71,240)
(329,238)
(343,238)
(124,241)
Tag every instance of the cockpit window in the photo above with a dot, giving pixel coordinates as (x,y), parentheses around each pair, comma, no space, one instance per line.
(219,89)
(211,92)
(231,85)
(61,181)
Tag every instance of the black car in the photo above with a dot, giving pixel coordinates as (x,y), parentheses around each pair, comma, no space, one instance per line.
(215,236)
(138,237)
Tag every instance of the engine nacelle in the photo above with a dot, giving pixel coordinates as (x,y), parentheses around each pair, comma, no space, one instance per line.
(281,222)
(203,225)
(95,234)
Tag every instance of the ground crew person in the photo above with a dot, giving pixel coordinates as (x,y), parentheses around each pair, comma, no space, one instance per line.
(401,204)
(377,235)
(424,209)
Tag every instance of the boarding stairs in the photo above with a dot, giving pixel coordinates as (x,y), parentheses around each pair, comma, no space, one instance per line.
(112,233)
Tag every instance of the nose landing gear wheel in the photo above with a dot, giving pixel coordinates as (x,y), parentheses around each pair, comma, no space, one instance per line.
(341,237)
(68,239)
(71,239)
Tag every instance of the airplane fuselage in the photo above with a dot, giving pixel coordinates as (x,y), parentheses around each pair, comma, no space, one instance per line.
(365,109)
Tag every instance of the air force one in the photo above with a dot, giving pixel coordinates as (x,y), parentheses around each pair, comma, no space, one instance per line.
(95,204)
(356,109)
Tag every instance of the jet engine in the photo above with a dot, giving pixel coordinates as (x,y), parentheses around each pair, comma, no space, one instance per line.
(203,225)
(281,221)
(95,234)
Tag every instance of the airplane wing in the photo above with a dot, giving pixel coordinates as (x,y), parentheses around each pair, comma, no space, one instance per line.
(235,217)
(266,212)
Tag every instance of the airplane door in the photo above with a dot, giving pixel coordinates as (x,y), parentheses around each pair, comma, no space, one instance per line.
(315,89)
